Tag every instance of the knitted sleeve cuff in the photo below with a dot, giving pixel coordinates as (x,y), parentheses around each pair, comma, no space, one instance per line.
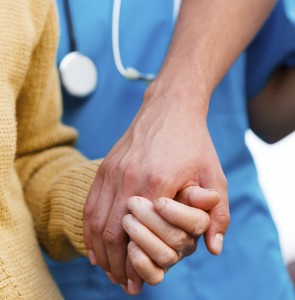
(67,197)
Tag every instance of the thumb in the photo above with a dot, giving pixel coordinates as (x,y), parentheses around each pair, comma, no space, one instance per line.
(216,204)
(198,197)
(219,222)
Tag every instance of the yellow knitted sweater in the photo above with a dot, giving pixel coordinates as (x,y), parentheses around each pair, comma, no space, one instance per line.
(43,180)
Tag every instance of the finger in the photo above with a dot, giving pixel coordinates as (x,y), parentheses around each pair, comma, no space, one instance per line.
(135,282)
(88,209)
(178,239)
(195,222)
(116,241)
(98,217)
(198,197)
(144,266)
(98,254)
(112,278)
(155,248)
(220,218)
(88,213)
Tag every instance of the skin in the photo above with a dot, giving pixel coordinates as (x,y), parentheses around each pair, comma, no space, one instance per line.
(168,147)
(291,268)
(272,112)
(163,232)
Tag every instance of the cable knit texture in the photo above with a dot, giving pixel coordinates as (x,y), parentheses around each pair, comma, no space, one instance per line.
(43,181)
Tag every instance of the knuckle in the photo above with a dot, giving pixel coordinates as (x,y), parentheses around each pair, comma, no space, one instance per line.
(200,225)
(155,180)
(87,212)
(168,258)
(96,226)
(189,249)
(110,237)
(221,218)
(179,240)
(224,219)
(129,173)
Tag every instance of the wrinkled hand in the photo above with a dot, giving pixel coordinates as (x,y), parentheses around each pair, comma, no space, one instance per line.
(164,232)
(166,149)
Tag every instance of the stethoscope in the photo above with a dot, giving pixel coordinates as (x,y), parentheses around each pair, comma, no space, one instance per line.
(78,73)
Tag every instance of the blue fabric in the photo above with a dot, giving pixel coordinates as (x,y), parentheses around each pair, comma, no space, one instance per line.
(251,265)
(274,46)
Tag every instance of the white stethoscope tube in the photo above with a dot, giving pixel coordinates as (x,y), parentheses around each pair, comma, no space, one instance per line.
(130,72)
(78,72)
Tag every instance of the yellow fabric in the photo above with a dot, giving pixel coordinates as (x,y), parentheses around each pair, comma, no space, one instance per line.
(43,181)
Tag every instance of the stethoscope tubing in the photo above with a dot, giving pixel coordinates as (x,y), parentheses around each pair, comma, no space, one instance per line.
(75,61)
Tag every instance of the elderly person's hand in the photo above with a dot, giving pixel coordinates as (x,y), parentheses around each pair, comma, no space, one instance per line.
(163,232)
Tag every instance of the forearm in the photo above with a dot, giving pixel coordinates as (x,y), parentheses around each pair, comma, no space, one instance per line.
(272,112)
(56,183)
(163,151)
(208,37)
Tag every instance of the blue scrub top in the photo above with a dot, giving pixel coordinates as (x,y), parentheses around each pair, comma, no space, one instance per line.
(251,265)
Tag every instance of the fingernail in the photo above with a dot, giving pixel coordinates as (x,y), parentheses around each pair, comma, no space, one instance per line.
(131,287)
(198,192)
(160,203)
(125,288)
(218,243)
(132,201)
(132,247)
(211,191)
(92,257)
(111,278)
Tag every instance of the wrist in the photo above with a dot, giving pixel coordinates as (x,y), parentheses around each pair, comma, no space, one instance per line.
(183,96)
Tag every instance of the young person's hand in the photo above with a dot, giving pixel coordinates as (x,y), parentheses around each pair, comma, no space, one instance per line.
(168,146)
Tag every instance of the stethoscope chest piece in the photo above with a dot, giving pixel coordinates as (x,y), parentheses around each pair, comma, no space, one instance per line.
(78,74)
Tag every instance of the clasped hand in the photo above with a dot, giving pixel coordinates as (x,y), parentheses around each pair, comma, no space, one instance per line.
(166,149)
(163,232)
